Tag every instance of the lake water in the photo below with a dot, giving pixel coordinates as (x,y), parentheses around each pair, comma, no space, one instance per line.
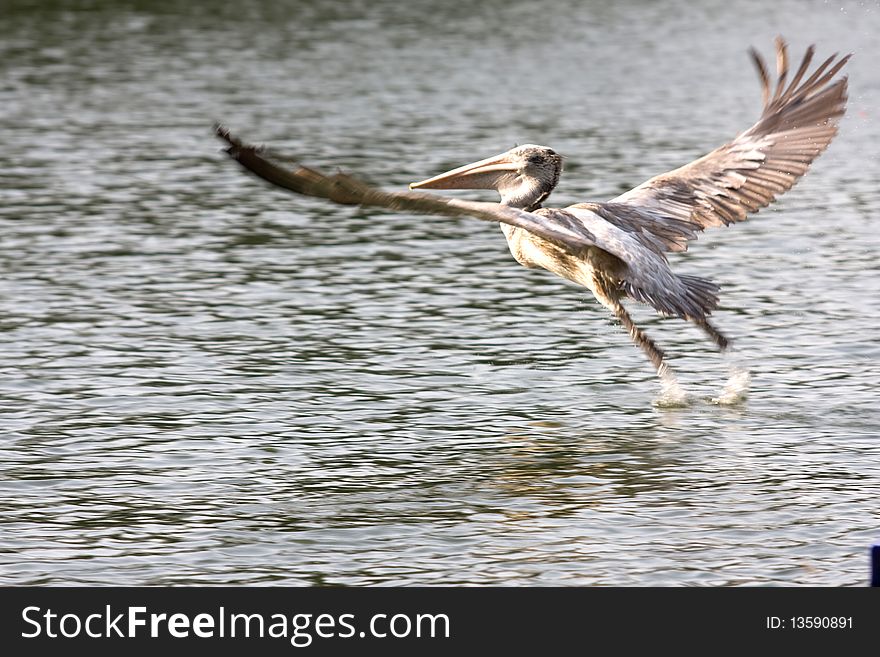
(204,380)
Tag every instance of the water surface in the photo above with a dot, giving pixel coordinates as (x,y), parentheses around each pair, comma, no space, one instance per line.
(207,381)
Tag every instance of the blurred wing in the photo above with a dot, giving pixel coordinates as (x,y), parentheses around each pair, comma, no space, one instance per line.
(797,124)
(341,188)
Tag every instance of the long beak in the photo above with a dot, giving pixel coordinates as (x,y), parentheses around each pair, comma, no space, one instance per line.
(484,174)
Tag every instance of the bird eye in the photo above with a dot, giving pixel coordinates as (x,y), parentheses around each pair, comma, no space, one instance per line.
(536,159)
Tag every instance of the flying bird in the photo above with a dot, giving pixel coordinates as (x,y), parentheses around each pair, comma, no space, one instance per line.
(617,249)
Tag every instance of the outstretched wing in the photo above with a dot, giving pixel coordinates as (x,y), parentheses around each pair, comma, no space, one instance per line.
(342,188)
(725,186)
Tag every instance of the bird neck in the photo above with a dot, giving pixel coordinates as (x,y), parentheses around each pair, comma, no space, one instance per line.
(527,194)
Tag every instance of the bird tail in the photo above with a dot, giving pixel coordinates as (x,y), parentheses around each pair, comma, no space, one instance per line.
(688,297)
(701,297)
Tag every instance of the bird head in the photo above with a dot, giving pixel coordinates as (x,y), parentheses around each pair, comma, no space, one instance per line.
(524,176)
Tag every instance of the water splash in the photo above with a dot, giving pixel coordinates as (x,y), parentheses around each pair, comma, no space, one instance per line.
(672,395)
(737,387)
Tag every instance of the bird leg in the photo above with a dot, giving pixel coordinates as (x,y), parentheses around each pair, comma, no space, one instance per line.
(654,353)
(714,334)
(606,293)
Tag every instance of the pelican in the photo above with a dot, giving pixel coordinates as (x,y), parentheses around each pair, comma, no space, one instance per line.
(617,249)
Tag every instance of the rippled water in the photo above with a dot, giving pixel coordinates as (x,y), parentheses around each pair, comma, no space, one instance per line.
(204,380)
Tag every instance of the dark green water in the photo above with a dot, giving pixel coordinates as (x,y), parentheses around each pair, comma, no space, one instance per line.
(203,380)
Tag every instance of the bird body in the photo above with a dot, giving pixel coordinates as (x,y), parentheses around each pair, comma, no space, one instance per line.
(617,249)
(622,255)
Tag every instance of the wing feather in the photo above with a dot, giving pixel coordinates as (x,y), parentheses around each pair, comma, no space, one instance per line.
(798,122)
(347,190)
